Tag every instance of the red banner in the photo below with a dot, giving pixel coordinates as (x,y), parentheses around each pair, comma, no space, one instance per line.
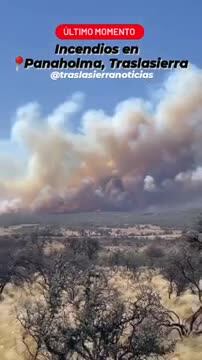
(100,32)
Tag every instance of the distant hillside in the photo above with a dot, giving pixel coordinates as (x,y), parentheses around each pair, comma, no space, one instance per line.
(175,218)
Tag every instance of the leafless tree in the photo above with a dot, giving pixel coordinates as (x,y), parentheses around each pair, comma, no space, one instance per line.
(183,269)
(86,319)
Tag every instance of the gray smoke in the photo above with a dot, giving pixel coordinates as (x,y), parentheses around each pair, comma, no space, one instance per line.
(145,154)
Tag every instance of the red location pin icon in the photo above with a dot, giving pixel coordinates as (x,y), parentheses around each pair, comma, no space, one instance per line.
(19,60)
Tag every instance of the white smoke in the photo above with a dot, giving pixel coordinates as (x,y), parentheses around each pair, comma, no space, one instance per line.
(149,183)
(144,154)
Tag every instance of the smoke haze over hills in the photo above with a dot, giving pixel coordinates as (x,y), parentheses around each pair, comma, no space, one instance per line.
(148,153)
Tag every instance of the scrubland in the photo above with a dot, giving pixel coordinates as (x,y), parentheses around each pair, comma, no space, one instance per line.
(130,292)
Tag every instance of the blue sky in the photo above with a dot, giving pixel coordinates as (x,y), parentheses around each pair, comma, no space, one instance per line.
(172,30)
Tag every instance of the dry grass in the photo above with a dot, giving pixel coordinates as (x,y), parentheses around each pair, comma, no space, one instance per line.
(12,348)
(188,349)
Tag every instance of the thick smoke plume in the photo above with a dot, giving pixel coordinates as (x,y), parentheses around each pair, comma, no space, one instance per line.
(148,153)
